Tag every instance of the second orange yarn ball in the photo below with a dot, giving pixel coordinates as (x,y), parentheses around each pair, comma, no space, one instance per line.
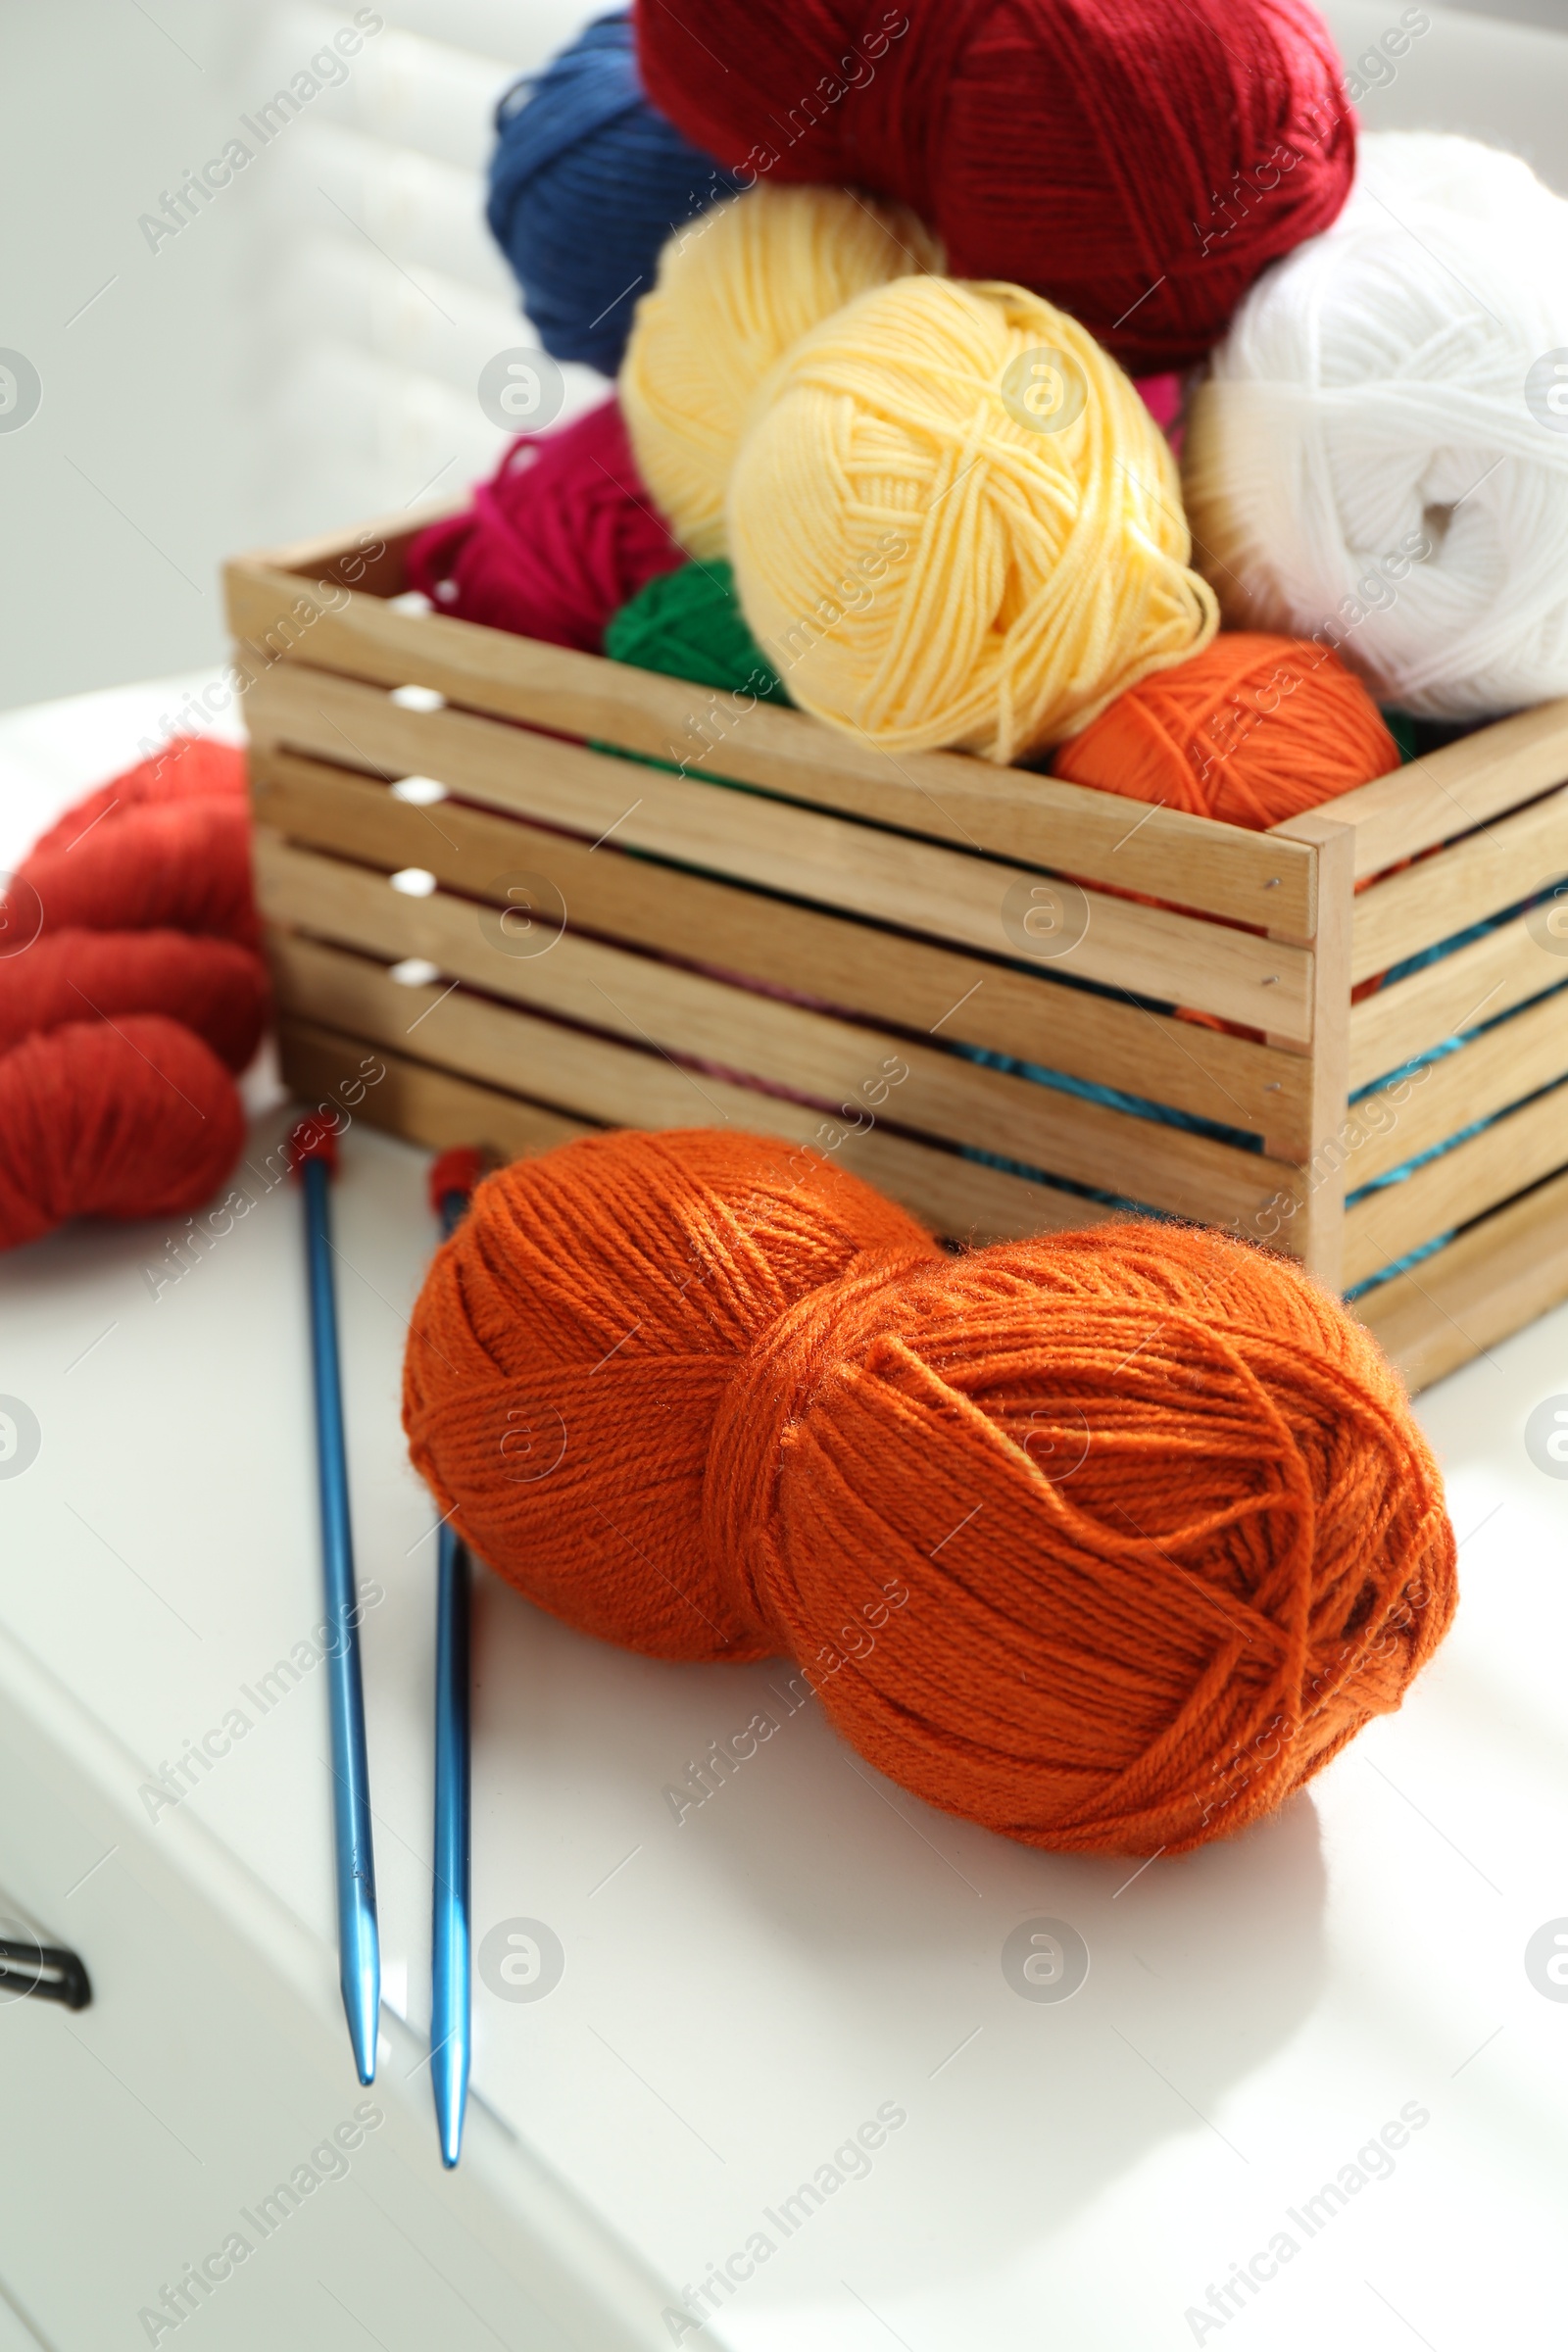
(1253,730)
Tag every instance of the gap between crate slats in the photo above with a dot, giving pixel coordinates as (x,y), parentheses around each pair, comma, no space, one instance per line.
(617,1086)
(688,1013)
(1518,1151)
(1220,869)
(848,965)
(1261,982)
(1446,892)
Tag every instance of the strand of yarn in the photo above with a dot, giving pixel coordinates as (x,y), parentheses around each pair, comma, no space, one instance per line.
(1136,163)
(216,988)
(191,767)
(955,526)
(1106,1540)
(134,1119)
(735,291)
(1375,462)
(554,544)
(176,864)
(586,182)
(1253,730)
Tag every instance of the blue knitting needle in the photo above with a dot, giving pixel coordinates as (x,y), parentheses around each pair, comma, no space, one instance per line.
(452,1180)
(313,1149)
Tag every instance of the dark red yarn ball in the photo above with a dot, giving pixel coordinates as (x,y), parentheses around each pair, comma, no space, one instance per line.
(556,543)
(214,986)
(140,1119)
(1138,162)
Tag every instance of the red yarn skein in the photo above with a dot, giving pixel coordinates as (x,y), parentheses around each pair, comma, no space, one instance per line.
(191,767)
(176,865)
(1136,163)
(1106,1540)
(556,543)
(216,988)
(140,1119)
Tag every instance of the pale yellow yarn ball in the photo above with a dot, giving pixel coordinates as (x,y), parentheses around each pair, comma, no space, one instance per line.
(955,526)
(736,288)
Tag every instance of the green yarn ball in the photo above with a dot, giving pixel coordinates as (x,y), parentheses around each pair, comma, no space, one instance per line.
(689,624)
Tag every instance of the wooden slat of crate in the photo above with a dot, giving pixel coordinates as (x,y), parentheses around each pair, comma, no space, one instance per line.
(349,557)
(1317,1232)
(510,1053)
(1466,784)
(1498,1276)
(1519,1150)
(691,1015)
(875,973)
(1456,887)
(410,1099)
(1007,813)
(918,885)
(1502,1274)
(1477,1081)
(1475,984)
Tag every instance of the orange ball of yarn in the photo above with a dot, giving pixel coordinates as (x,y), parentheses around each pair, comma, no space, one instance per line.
(1251,730)
(1105,1541)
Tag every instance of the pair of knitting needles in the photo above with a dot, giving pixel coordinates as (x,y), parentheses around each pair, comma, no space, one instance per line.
(313,1151)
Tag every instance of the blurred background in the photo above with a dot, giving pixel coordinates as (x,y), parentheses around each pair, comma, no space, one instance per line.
(305,352)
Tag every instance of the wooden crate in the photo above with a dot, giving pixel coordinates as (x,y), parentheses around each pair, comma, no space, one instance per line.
(799,947)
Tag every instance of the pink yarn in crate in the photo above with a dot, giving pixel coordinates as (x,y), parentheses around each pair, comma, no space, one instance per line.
(554,545)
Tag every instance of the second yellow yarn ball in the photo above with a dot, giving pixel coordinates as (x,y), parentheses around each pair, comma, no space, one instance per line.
(955,523)
(737,288)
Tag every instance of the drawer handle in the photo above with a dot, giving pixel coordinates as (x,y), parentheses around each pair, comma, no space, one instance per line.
(45,1971)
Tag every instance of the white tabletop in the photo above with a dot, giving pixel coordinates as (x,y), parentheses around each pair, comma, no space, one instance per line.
(743,1989)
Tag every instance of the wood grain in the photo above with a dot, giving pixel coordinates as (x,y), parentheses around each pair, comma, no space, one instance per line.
(1475,984)
(1491,1282)
(340,559)
(1449,792)
(507,1054)
(1318,1227)
(836,1063)
(1459,886)
(1503,1160)
(1481,1079)
(425,1106)
(875,875)
(945,796)
(880,974)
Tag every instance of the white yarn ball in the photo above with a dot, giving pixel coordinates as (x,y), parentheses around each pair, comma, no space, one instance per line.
(1363,461)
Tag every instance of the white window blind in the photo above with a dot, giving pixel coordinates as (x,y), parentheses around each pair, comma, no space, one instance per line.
(382,293)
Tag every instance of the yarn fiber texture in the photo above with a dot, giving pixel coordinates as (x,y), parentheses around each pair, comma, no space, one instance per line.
(178,864)
(137,1118)
(189,767)
(115,1026)
(689,624)
(735,291)
(216,988)
(931,569)
(1365,465)
(1251,730)
(586,182)
(1137,163)
(555,543)
(1106,1540)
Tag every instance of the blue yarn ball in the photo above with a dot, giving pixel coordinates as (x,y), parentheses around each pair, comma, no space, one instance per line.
(586,183)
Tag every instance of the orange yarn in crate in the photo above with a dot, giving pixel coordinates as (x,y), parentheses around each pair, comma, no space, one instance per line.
(1105,1541)
(1251,730)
